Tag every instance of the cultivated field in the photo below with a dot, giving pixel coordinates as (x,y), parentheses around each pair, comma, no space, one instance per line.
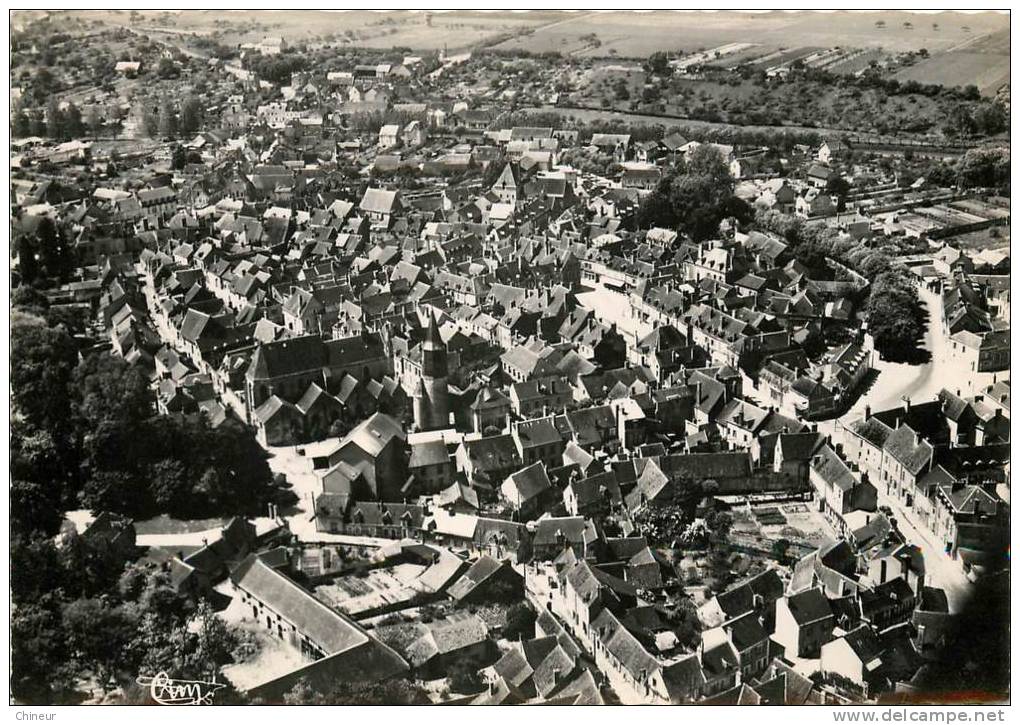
(983,63)
(987,72)
(633,34)
(454,30)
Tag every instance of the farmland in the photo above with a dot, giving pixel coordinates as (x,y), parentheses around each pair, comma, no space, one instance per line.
(416,30)
(629,34)
(983,63)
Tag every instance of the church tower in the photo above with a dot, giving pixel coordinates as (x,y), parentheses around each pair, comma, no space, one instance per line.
(432,396)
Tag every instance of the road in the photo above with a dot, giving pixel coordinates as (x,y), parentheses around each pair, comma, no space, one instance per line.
(920,383)
(894,381)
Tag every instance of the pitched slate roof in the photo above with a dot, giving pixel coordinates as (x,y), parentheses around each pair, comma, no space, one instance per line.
(329,630)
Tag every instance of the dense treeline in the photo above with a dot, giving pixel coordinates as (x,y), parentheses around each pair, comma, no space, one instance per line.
(83,623)
(84,433)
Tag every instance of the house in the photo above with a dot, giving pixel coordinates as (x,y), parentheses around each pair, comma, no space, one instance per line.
(450,642)
(488,460)
(332,646)
(377,450)
(641,176)
(981,352)
(431,465)
(819,175)
(804,622)
(839,490)
(413,135)
(815,203)
(615,144)
(757,594)
(555,535)
(379,205)
(389,136)
(746,638)
(539,440)
(507,185)
(970,521)
(107,534)
(487,580)
(592,495)
(856,658)
(527,491)
(906,458)
(271,45)
(337,513)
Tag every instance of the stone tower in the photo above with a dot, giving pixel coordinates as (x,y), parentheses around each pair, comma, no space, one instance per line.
(431,395)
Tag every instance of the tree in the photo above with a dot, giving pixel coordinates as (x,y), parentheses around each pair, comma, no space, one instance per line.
(390,692)
(167,121)
(896,318)
(114,491)
(464,677)
(838,187)
(166,69)
(781,550)
(39,673)
(990,118)
(150,123)
(55,253)
(95,121)
(30,300)
(520,621)
(695,197)
(54,119)
(72,125)
(984,167)
(178,158)
(169,485)
(191,115)
(42,363)
(98,632)
(20,124)
(35,507)
(959,122)
(657,63)
(28,262)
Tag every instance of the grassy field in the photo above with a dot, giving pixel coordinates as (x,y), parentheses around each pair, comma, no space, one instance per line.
(632,34)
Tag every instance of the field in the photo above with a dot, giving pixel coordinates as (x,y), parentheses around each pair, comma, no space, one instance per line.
(371,29)
(856,63)
(983,63)
(632,34)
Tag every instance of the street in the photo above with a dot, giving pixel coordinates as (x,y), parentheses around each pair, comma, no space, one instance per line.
(892,383)
(920,383)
